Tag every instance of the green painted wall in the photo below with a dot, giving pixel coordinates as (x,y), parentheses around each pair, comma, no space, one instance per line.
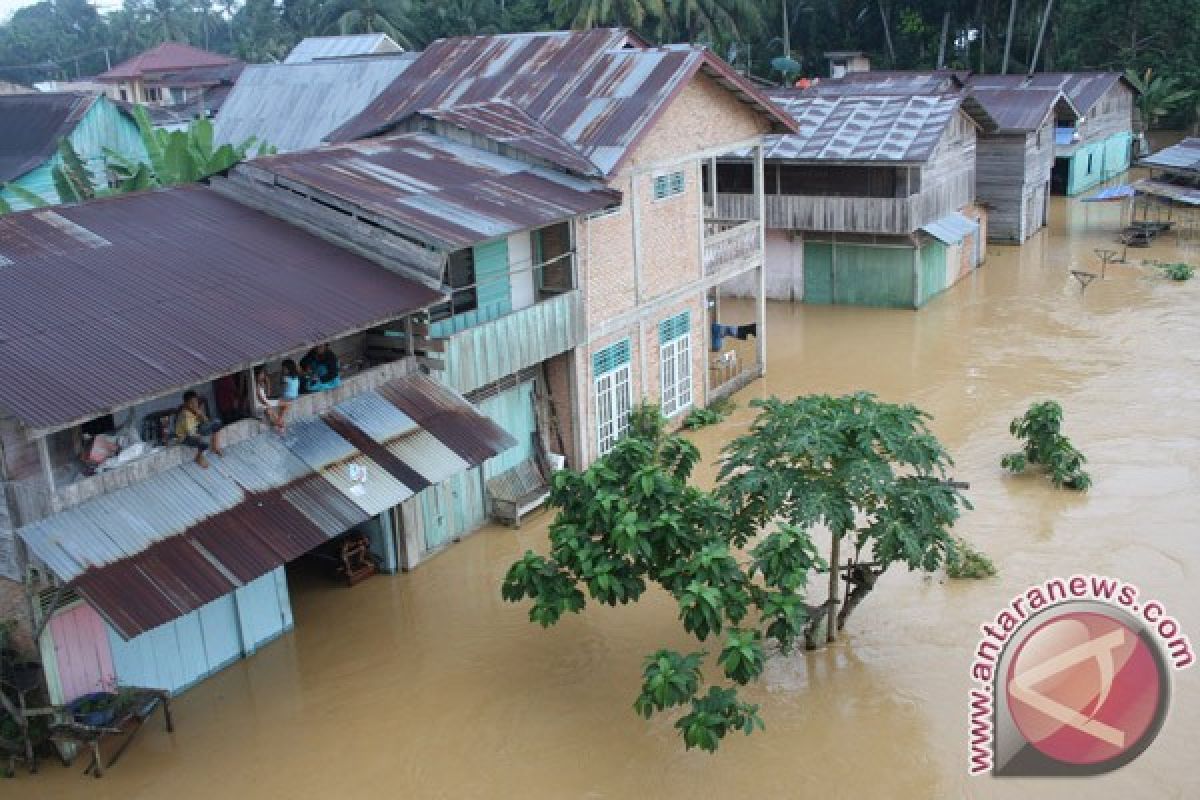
(859,275)
(104,125)
(1096,162)
(933,271)
(494,291)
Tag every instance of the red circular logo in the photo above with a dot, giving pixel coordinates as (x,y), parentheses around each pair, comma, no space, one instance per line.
(1084,688)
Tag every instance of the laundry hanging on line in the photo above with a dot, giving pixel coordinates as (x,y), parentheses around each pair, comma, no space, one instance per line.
(743,332)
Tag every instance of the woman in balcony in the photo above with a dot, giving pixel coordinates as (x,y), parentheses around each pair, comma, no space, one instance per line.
(274,410)
(195,429)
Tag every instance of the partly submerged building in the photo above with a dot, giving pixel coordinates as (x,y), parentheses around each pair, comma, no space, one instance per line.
(1094,141)
(505,258)
(872,202)
(31,127)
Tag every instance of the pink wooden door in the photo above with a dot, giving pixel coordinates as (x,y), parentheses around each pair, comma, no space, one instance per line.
(81,649)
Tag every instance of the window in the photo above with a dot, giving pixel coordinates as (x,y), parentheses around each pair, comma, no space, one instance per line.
(153,95)
(675,362)
(460,275)
(1089,167)
(614,396)
(669,185)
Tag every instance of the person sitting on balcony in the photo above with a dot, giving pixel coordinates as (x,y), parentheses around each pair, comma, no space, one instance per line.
(273,409)
(321,368)
(195,429)
(291,381)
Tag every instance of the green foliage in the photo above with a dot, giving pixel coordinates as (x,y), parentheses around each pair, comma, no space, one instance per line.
(1040,428)
(31,199)
(1177,271)
(703,417)
(1157,97)
(870,470)
(964,561)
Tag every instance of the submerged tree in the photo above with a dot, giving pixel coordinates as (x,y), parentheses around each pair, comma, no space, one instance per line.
(738,559)
(1043,444)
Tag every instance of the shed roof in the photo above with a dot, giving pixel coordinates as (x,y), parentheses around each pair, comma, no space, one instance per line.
(31,126)
(889,82)
(154,551)
(124,299)
(449,194)
(598,89)
(1084,89)
(313,48)
(1183,157)
(295,106)
(900,129)
(163,57)
(1022,110)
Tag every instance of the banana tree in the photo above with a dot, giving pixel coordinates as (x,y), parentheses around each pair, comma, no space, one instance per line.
(1158,96)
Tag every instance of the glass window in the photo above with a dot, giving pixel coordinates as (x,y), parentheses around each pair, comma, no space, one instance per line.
(669,184)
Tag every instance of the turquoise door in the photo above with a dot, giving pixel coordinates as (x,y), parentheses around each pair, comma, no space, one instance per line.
(493,294)
(818,272)
(435,516)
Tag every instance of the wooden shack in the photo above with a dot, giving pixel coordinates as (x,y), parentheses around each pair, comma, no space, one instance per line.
(1014,161)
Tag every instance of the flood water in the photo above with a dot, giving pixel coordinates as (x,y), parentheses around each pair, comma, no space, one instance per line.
(428,685)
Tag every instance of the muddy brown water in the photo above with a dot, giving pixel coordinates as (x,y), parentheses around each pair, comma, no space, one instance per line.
(428,685)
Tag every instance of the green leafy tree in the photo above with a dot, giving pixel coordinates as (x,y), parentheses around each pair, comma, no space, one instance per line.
(1040,430)
(711,20)
(640,14)
(737,559)
(1158,96)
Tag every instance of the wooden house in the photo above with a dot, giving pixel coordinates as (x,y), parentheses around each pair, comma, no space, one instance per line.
(1094,141)
(871,203)
(31,126)
(1014,159)
(175,75)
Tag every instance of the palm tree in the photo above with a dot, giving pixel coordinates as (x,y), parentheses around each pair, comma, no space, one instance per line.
(710,20)
(370,16)
(595,13)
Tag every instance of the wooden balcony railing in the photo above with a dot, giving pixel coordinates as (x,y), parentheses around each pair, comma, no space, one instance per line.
(731,242)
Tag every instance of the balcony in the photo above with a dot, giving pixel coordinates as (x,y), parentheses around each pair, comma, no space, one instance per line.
(731,246)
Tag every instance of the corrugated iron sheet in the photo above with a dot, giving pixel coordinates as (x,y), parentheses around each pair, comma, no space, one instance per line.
(1181,157)
(1188,195)
(856,128)
(295,106)
(153,292)
(1023,109)
(888,82)
(952,228)
(151,552)
(600,89)
(164,57)
(1084,89)
(314,48)
(31,126)
(446,192)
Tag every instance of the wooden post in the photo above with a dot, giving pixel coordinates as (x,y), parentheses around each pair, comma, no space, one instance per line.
(760,332)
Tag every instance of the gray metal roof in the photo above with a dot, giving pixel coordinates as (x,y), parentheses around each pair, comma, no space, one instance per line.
(888,82)
(867,129)
(952,228)
(315,48)
(448,194)
(295,106)
(1189,195)
(1182,157)
(599,89)
(1020,110)
(117,301)
(151,552)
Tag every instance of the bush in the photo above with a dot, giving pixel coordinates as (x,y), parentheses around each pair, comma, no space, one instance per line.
(964,561)
(1045,446)
(703,417)
(1178,271)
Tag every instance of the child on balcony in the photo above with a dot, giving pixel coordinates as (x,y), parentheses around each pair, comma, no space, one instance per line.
(195,429)
(273,409)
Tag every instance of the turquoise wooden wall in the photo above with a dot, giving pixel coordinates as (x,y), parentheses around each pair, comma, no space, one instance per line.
(179,654)
(104,125)
(493,290)
(933,271)
(862,275)
(1106,158)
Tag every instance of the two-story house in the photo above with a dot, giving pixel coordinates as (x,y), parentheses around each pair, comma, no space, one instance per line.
(532,235)
(872,202)
(1094,139)
(174,75)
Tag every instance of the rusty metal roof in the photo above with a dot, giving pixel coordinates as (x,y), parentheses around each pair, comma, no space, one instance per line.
(162,58)
(151,552)
(1022,110)
(125,299)
(889,82)
(1084,89)
(508,125)
(598,89)
(447,193)
(899,129)
(32,124)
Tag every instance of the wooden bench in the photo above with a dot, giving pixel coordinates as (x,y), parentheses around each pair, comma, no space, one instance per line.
(517,491)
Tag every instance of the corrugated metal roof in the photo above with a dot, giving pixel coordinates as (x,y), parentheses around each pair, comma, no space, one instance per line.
(148,553)
(856,128)
(313,48)
(1189,195)
(31,126)
(128,298)
(163,57)
(1084,89)
(952,228)
(1111,194)
(507,124)
(598,89)
(1023,109)
(295,106)
(1181,157)
(888,82)
(445,192)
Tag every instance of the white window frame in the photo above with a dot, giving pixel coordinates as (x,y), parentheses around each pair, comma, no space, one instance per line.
(673,184)
(675,372)
(614,401)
